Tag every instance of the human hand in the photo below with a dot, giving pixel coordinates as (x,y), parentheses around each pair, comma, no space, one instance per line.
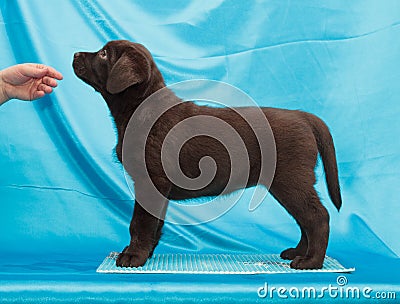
(27,81)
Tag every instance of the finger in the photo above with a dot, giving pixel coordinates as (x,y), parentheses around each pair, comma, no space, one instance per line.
(38,70)
(50,71)
(33,70)
(49,81)
(54,73)
(38,94)
(44,88)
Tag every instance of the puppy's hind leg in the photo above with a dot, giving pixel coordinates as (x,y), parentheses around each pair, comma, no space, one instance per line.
(306,208)
(299,250)
(302,246)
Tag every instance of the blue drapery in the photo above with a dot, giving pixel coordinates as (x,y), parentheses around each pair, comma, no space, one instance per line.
(64,199)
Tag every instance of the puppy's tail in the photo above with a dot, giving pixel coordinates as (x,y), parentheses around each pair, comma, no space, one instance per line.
(326,149)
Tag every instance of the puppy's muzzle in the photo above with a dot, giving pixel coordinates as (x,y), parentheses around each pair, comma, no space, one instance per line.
(79,64)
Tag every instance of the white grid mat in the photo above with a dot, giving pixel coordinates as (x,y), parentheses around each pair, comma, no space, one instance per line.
(216,264)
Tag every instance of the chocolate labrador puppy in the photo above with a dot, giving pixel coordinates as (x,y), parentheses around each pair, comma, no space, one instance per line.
(126,75)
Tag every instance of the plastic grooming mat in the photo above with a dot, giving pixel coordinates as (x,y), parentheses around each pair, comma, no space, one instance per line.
(215,264)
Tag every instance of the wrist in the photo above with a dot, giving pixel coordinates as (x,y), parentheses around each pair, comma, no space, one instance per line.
(3,94)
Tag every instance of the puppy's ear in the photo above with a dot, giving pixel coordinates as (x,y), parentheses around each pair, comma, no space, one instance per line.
(126,72)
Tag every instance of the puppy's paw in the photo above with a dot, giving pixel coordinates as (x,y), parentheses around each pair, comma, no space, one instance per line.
(132,258)
(300,262)
(292,253)
(289,254)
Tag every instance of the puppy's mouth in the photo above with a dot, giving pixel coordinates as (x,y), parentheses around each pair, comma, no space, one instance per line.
(80,70)
(79,66)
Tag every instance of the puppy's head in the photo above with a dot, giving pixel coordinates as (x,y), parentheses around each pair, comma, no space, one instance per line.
(118,66)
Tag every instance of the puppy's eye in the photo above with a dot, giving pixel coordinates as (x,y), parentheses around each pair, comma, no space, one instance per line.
(103,54)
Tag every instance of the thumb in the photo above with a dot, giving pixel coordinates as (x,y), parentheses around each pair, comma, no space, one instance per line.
(34,70)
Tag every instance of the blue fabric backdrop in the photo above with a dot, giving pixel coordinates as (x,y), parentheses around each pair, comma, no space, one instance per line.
(64,201)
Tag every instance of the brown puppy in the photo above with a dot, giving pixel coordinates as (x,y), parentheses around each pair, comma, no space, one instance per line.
(126,74)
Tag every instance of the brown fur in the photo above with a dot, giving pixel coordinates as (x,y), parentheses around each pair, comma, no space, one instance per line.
(125,74)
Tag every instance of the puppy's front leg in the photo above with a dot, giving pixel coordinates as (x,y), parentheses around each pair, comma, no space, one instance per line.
(145,225)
